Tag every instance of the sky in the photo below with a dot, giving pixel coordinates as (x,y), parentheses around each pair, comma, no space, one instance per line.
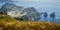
(41,5)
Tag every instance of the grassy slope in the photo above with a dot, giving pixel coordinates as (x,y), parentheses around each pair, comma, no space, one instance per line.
(7,23)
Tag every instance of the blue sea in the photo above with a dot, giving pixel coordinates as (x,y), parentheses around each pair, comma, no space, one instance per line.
(48,19)
(48,7)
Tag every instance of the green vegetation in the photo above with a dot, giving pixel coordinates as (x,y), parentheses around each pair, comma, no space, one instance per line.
(7,23)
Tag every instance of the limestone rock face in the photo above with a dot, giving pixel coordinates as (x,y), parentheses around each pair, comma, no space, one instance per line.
(12,10)
(19,12)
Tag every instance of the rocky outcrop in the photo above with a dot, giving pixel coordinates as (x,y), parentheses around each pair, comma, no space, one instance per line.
(18,11)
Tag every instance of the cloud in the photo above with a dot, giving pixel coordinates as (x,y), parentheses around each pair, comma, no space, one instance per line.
(6,1)
(30,0)
(43,3)
(39,0)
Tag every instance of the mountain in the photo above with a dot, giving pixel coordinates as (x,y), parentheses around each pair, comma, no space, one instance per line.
(12,10)
(32,13)
(20,12)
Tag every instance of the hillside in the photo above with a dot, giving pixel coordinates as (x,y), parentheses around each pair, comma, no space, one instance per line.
(7,23)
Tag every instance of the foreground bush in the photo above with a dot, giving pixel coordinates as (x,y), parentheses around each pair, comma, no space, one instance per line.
(7,23)
(28,25)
